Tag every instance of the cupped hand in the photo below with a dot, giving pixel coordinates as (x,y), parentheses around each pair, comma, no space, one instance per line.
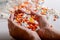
(46,31)
(21,33)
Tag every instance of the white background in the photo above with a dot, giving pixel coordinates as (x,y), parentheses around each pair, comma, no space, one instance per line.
(48,3)
(53,4)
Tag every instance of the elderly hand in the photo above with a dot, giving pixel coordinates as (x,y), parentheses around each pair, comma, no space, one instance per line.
(46,31)
(21,33)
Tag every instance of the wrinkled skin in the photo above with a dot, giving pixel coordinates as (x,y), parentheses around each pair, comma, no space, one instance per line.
(21,33)
(46,31)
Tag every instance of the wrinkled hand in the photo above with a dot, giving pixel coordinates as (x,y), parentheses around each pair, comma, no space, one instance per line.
(21,33)
(46,30)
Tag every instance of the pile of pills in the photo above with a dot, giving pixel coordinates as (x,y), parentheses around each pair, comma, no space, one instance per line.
(23,15)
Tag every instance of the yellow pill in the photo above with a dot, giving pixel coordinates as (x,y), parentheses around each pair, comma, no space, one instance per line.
(31,20)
